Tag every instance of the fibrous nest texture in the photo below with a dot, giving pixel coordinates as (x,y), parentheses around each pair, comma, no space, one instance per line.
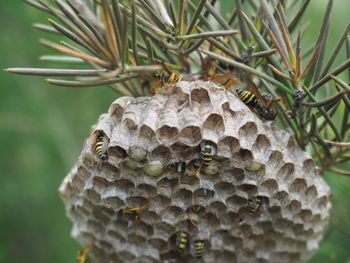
(152,148)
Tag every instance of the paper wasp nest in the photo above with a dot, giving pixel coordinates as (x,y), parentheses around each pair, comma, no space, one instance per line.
(146,139)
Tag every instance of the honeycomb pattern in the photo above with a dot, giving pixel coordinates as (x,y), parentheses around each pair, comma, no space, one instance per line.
(149,137)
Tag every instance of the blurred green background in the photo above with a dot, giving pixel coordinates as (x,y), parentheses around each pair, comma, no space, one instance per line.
(42,129)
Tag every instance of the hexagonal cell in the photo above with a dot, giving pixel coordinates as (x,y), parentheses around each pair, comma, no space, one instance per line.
(276,157)
(183,152)
(149,217)
(78,181)
(100,183)
(249,188)
(131,125)
(235,202)
(126,256)
(227,109)
(248,131)
(146,190)
(245,155)
(201,96)
(262,144)
(309,166)
(214,123)
(109,171)
(311,193)
(294,207)
(286,172)
(136,239)
(161,153)
(160,244)
(305,215)
(92,196)
(159,202)
(283,225)
(165,186)
(283,197)
(209,220)
(190,135)
(182,198)
(116,235)
(117,153)
(322,202)
(298,185)
(275,212)
(96,226)
(224,188)
(168,133)
(137,153)
(192,181)
(218,208)
(117,108)
(83,173)
(226,256)
(229,219)
(147,134)
(264,226)
(203,195)
(163,230)
(268,186)
(78,211)
(154,168)
(101,217)
(227,146)
(172,214)
(123,188)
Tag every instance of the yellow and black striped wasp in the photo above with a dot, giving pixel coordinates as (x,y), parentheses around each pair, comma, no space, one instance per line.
(199,248)
(249,95)
(208,150)
(254,204)
(182,240)
(99,145)
(133,212)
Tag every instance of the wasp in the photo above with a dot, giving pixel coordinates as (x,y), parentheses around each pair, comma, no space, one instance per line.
(199,248)
(160,80)
(83,254)
(250,95)
(196,164)
(100,148)
(100,143)
(133,212)
(182,241)
(254,204)
(208,150)
(252,101)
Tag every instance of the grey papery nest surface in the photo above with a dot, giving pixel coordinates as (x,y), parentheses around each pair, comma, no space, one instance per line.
(147,138)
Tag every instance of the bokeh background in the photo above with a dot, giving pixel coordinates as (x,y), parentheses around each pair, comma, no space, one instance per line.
(42,129)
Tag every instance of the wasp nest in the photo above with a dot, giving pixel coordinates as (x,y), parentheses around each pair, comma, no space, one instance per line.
(140,194)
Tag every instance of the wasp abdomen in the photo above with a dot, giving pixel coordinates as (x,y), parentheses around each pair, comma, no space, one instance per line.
(251,100)
(100,148)
(207,152)
(247,97)
(254,204)
(199,248)
(182,241)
